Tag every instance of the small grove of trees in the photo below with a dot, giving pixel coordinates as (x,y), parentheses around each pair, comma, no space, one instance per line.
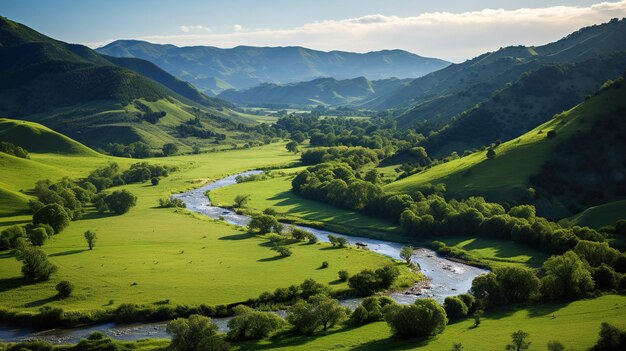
(282,251)
(171,202)
(118,202)
(355,157)
(12,149)
(423,318)
(169,149)
(505,285)
(195,333)
(263,224)
(371,309)
(368,282)
(11,237)
(248,324)
(90,238)
(337,241)
(319,311)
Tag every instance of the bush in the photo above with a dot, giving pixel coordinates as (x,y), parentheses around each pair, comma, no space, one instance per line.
(248,324)
(611,338)
(9,236)
(368,282)
(343,275)
(423,318)
(195,333)
(241,200)
(154,181)
(320,311)
(120,201)
(282,251)
(455,307)
(324,265)
(264,224)
(64,289)
(171,202)
(35,264)
(37,236)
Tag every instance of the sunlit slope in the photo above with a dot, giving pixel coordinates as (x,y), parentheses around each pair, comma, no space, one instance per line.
(507,176)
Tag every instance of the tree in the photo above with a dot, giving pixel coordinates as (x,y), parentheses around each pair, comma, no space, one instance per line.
(120,201)
(320,311)
(194,334)
(248,324)
(554,345)
(264,224)
(457,346)
(372,176)
(292,146)
(169,149)
(423,318)
(10,235)
(90,237)
(35,264)
(343,275)
(518,341)
(282,250)
(477,315)
(337,241)
(37,236)
(241,200)
(517,284)
(566,276)
(611,338)
(596,253)
(406,253)
(455,307)
(154,181)
(54,215)
(491,153)
(64,289)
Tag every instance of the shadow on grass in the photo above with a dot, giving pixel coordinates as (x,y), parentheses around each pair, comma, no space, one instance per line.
(7,254)
(91,215)
(237,236)
(40,302)
(11,283)
(15,222)
(335,282)
(269,259)
(69,252)
(547,309)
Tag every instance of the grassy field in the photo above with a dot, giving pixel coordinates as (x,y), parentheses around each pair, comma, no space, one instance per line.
(575,324)
(276,193)
(152,254)
(497,253)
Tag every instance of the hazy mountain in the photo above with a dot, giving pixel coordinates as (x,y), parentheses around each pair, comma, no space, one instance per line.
(214,69)
(322,91)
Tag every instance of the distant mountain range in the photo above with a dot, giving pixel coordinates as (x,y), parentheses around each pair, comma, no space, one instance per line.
(322,91)
(214,70)
(97,99)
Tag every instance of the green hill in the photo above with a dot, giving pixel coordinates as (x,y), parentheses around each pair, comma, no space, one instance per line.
(87,97)
(599,216)
(36,138)
(582,166)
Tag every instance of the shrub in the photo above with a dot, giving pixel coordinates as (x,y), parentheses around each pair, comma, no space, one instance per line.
(343,275)
(9,236)
(171,202)
(264,224)
(248,324)
(35,264)
(423,318)
(320,311)
(154,181)
(64,289)
(282,251)
(120,201)
(324,265)
(37,236)
(195,333)
(241,200)
(455,307)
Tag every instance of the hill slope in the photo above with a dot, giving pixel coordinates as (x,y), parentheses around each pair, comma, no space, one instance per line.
(210,68)
(583,165)
(80,93)
(323,91)
(445,93)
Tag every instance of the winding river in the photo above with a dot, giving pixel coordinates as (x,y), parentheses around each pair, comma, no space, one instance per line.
(445,277)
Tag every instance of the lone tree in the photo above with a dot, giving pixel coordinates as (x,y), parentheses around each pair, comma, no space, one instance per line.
(64,289)
(282,250)
(169,149)
(518,341)
(241,200)
(264,224)
(292,146)
(90,237)
(406,253)
(154,181)
(35,264)
(491,153)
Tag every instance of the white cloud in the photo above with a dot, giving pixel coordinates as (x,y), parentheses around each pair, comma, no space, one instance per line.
(452,36)
(192,29)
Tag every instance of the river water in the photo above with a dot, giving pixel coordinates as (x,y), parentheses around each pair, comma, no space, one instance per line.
(445,277)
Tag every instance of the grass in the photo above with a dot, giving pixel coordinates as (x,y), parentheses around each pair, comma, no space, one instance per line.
(575,324)
(276,193)
(152,254)
(497,253)
(599,216)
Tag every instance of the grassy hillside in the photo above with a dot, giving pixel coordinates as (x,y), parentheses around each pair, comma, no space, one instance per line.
(599,216)
(507,177)
(82,94)
(544,323)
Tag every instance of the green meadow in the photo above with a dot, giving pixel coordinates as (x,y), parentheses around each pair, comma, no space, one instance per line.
(152,254)
(575,324)
(276,193)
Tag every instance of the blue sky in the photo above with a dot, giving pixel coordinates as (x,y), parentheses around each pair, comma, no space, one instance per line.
(453,30)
